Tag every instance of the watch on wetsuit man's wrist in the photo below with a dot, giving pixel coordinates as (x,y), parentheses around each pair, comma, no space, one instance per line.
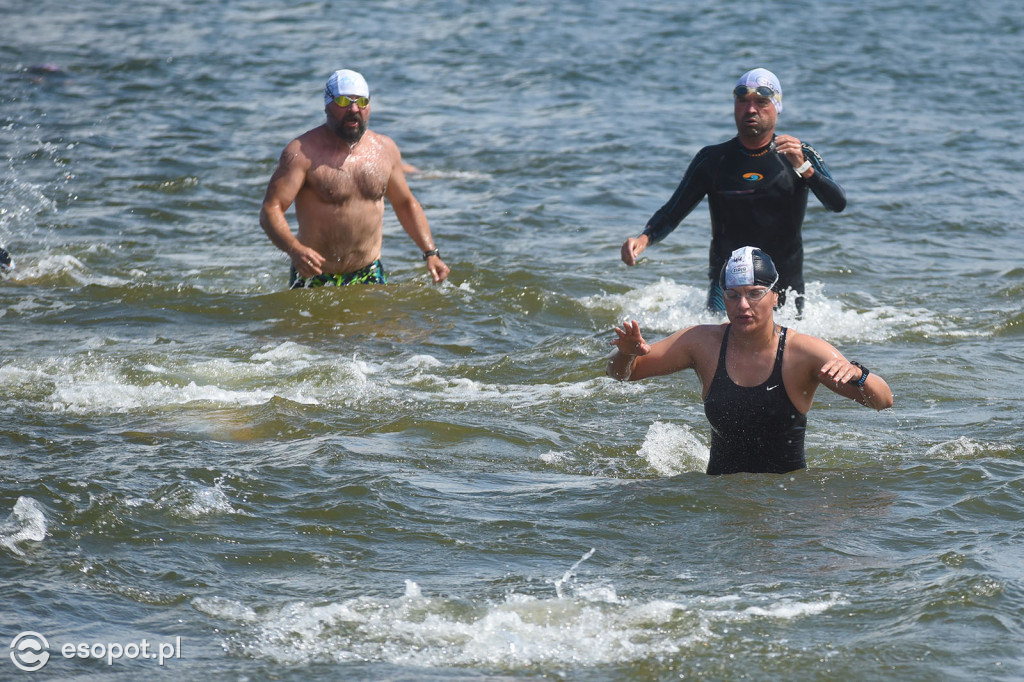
(432,252)
(803,167)
(864,374)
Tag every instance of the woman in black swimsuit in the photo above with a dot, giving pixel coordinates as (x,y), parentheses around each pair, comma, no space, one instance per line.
(758,378)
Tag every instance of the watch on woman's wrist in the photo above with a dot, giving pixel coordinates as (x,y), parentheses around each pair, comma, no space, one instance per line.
(864,374)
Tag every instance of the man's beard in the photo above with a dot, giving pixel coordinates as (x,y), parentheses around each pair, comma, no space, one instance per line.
(350,135)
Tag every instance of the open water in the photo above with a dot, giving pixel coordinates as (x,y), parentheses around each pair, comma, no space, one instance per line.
(420,482)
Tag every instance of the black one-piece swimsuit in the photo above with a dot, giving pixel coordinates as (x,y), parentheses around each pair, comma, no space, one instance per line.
(754,429)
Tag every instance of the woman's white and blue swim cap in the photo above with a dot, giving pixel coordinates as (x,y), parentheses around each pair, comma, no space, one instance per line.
(748,266)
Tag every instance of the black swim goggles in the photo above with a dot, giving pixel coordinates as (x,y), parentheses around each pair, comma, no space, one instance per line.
(742,91)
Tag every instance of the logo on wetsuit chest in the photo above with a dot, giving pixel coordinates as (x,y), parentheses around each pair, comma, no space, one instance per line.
(752,177)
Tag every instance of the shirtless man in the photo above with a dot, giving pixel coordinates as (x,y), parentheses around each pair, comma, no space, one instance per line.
(758,381)
(338,175)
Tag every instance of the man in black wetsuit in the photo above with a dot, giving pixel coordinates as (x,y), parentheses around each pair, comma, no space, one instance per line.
(758,378)
(756,184)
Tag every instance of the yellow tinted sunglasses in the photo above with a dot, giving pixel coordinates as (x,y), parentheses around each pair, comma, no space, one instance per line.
(345,102)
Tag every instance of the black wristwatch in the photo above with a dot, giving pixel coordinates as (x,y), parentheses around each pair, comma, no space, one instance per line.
(432,252)
(863,377)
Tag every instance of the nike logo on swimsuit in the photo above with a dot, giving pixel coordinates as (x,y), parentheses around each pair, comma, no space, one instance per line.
(770,388)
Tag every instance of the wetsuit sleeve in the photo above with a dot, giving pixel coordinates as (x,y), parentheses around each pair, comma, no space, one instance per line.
(828,191)
(688,194)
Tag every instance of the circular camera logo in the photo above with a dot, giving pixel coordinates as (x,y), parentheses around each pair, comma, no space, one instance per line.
(29,651)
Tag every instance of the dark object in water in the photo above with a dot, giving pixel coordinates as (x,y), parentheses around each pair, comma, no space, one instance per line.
(44,68)
(5,260)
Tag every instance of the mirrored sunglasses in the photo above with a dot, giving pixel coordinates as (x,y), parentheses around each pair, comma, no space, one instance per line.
(345,102)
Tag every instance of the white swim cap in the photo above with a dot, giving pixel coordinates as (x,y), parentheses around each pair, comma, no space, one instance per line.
(345,82)
(748,266)
(763,78)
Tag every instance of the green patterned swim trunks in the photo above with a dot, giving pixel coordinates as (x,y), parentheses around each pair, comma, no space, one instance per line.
(371,274)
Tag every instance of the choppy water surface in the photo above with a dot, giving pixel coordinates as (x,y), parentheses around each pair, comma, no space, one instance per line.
(420,482)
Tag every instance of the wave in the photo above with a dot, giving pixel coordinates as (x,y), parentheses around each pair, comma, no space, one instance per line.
(578,625)
(27,523)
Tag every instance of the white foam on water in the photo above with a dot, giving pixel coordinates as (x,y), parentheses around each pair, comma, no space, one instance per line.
(11,375)
(421,362)
(787,610)
(673,449)
(289,351)
(308,376)
(434,381)
(26,523)
(23,202)
(225,609)
(555,457)
(730,608)
(29,303)
(662,307)
(665,307)
(443,386)
(829,319)
(206,501)
(958,449)
(105,385)
(115,384)
(588,626)
(194,501)
(112,394)
(63,264)
(446,174)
